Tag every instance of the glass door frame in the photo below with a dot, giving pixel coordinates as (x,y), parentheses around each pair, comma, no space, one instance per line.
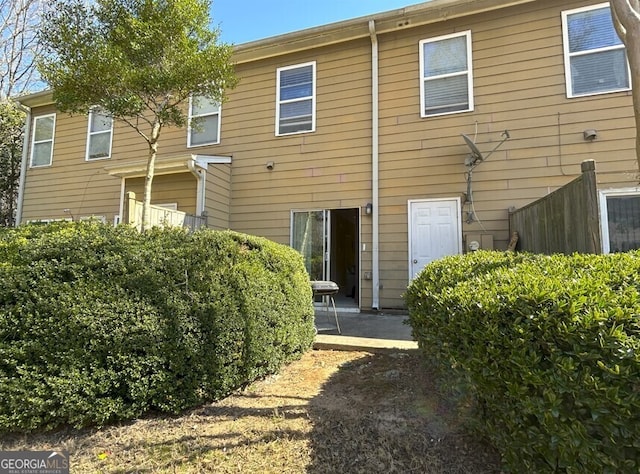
(603,194)
(326,239)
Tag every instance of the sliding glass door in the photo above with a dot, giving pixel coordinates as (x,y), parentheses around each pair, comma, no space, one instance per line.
(310,237)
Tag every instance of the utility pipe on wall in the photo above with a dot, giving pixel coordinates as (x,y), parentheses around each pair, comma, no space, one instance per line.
(23,163)
(375,270)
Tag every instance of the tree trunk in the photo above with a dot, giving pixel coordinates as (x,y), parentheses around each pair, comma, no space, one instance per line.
(148,181)
(633,53)
(626,20)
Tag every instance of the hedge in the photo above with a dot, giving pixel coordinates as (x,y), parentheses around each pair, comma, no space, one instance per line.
(548,348)
(99,324)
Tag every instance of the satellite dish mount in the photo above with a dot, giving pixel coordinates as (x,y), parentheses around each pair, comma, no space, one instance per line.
(474,158)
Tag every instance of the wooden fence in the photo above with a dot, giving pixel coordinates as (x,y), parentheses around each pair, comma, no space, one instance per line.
(565,221)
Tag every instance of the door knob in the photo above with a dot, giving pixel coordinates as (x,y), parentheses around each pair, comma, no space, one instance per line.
(415,261)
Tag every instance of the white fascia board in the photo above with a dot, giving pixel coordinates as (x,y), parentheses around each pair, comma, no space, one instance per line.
(203,161)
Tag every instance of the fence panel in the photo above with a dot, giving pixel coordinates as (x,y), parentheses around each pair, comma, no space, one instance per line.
(565,221)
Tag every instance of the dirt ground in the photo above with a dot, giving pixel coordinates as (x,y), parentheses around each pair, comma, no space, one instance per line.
(330,412)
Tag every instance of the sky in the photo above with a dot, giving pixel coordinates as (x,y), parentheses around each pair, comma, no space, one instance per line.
(241,21)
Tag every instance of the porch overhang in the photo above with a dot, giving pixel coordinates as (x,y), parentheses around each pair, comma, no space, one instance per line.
(171,165)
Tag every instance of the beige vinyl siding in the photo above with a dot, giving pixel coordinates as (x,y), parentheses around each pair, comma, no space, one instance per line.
(177,188)
(218,196)
(326,169)
(72,183)
(519,85)
(85,187)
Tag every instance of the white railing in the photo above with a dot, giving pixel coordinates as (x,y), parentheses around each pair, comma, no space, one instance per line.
(161,216)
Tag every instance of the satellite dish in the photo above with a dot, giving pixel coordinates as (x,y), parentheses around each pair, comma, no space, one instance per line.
(475,155)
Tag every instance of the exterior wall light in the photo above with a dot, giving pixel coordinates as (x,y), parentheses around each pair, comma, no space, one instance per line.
(368,209)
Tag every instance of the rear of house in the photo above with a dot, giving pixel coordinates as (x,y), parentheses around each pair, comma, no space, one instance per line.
(345,141)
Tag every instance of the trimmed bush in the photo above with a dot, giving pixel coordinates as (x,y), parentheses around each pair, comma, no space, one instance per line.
(99,324)
(548,347)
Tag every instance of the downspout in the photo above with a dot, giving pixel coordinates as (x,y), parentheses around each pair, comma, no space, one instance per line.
(375,113)
(200,176)
(122,194)
(23,164)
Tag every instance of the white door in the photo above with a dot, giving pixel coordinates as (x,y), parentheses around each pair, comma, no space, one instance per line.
(434,232)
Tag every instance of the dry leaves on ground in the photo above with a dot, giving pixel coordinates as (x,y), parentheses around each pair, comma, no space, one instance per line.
(330,412)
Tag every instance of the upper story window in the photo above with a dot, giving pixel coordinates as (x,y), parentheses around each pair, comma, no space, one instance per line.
(594,57)
(296,99)
(42,140)
(204,122)
(99,135)
(445,75)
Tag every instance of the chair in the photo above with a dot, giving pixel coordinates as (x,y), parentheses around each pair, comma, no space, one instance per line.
(326,290)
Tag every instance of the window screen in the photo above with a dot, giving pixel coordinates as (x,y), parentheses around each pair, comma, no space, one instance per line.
(595,58)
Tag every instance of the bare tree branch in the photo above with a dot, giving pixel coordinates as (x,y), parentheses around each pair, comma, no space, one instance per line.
(19,22)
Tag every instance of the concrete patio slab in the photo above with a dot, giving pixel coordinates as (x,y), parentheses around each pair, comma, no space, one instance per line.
(363,331)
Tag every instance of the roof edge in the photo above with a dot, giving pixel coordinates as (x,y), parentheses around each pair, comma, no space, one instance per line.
(36,99)
(412,16)
(408,17)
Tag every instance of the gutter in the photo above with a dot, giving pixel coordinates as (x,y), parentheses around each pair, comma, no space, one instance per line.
(375,155)
(425,13)
(23,163)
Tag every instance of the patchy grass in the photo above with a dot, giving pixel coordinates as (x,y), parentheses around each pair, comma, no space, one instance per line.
(330,412)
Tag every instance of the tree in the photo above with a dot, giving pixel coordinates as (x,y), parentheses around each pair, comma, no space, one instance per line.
(136,60)
(11,138)
(19,23)
(626,20)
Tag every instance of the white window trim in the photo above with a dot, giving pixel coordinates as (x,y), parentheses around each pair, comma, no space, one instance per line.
(468,72)
(191,116)
(568,55)
(49,220)
(313,98)
(90,134)
(93,218)
(604,215)
(33,140)
(173,206)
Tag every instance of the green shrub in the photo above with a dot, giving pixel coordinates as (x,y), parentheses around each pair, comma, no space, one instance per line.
(99,324)
(549,349)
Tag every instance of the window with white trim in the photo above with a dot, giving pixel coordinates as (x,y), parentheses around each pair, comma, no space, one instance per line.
(446,78)
(595,60)
(204,122)
(42,140)
(99,135)
(296,99)
(620,219)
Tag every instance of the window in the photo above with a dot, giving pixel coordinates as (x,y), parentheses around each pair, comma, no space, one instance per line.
(99,135)
(296,99)
(42,140)
(620,220)
(594,57)
(445,75)
(204,122)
